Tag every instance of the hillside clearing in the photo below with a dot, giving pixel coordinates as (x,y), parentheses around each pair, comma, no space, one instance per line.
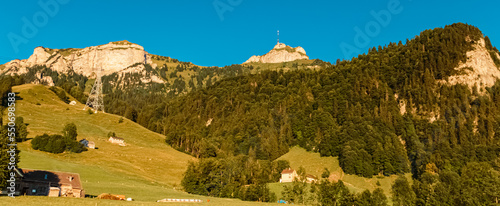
(146,161)
(315,165)
(54,201)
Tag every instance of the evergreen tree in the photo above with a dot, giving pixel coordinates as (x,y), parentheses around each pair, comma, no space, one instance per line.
(6,166)
(70,131)
(402,194)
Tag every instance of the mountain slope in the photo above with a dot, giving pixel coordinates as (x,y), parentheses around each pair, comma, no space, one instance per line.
(130,76)
(350,110)
(145,159)
(280,53)
(393,110)
(353,110)
(314,164)
(112,57)
(146,169)
(483,73)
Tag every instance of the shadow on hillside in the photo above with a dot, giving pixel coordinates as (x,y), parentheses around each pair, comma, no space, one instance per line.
(17,96)
(38,179)
(90,196)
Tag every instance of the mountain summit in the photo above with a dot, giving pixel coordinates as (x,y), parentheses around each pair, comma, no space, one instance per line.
(111,57)
(115,57)
(280,53)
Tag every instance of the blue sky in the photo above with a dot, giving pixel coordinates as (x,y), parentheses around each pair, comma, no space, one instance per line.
(232,30)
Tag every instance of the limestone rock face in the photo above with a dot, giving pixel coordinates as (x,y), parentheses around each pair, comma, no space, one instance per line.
(482,70)
(280,53)
(39,56)
(112,57)
(45,80)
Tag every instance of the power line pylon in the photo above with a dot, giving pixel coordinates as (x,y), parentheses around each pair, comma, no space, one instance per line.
(95,100)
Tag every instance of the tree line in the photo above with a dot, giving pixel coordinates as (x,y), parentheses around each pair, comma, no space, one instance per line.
(59,143)
(6,84)
(240,176)
(352,110)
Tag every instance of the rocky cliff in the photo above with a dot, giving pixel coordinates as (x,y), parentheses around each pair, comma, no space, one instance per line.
(479,69)
(280,53)
(119,57)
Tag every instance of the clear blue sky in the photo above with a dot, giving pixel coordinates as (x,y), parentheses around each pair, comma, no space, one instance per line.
(193,30)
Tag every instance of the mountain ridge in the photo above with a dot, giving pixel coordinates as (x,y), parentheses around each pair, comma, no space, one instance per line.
(296,106)
(111,57)
(279,54)
(351,110)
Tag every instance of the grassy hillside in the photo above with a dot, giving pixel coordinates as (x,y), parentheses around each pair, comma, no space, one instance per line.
(52,201)
(314,164)
(293,65)
(145,155)
(146,169)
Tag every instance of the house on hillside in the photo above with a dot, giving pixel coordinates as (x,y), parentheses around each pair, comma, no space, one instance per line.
(117,140)
(49,183)
(288,175)
(91,145)
(87,143)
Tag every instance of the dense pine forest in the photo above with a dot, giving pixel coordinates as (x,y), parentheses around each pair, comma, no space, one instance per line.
(351,110)
(447,136)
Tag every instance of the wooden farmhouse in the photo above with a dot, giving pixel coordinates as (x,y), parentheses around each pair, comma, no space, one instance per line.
(87,143)
(49,183)
(289,175)
(117,140)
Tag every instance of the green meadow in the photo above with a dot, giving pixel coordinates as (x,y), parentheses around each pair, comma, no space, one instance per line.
(314,164)
(146,169)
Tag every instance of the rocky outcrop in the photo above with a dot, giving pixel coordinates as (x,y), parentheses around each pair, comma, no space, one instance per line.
(45,80)
(479,69)
(120,57)
(280,53)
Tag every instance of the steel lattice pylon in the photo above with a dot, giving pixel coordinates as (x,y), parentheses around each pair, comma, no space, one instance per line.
(95,100)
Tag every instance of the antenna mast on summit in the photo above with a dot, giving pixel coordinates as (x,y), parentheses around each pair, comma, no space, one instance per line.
(95,99)
(278,36)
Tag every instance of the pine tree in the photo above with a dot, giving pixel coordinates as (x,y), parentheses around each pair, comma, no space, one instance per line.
(70,131)
(402,194)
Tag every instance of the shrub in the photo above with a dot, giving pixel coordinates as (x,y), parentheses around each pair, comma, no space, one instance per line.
(111,134)
(60,93)
(107,196)
(58,143)
(70,131)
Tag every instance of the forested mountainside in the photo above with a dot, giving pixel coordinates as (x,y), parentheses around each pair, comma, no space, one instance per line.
(137,89)
(128,96)
(402,107)
(352,110)
(389,111)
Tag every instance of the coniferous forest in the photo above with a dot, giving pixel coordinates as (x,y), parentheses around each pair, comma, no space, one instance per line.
(388,111)
(351,110)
